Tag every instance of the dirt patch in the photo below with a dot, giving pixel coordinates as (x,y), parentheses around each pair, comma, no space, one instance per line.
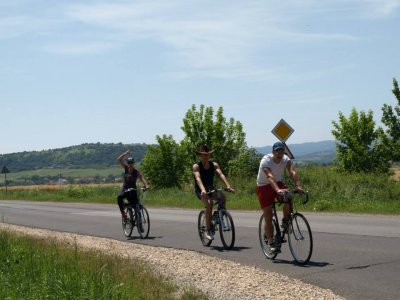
(396,175)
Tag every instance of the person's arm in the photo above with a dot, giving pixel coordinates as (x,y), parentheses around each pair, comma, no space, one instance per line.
(120,159)
(197,177)
(293,174)
(272,180)
(141,177)
(223,178)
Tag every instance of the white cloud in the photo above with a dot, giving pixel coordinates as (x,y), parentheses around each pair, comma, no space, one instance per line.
(381,8)
(208,40)
(221,38)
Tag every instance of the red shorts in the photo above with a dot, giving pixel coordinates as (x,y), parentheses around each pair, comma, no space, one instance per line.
(266,194)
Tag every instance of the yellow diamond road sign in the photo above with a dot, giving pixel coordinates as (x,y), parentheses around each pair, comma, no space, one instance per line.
(282,130)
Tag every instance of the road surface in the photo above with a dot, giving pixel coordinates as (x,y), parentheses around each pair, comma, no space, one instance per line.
(356,256)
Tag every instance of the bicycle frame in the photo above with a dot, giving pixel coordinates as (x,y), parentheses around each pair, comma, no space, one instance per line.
(138,216)
(221,221)
(297,229)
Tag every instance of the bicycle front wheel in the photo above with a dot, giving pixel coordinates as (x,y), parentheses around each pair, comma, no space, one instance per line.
(143,223)
(226,229)
(263,243)
(300,238)
(201,227)
(127,223)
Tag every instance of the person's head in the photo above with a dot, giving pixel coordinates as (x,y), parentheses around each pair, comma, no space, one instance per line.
(278,150)
(130,161)
(204,151)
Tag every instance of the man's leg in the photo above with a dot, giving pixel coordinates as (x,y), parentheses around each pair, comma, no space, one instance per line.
(208,202)
(268,229)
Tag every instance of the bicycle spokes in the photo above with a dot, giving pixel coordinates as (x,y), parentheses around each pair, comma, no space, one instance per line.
(300,238)
(226,229)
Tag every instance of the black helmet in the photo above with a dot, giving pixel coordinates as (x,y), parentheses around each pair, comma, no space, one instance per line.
(130,160)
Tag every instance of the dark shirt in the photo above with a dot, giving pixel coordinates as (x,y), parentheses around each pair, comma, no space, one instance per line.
(130,178)
(207,176)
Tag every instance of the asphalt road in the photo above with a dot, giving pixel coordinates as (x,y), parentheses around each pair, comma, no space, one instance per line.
(358,257)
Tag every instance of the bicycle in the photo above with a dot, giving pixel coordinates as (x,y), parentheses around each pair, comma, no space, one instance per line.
(298,231)
(136,217)
(221,221)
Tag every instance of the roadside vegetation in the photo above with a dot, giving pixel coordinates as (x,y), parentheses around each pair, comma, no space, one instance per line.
(34,269)
(329,190)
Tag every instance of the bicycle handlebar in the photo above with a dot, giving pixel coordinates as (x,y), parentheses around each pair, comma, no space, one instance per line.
(218,190)
(284,196)
(133,189)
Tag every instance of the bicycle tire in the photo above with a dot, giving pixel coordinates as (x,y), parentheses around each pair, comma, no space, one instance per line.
(127,224)
(264,244)
(144,222)
(300,238)
(201,227)
(227,229)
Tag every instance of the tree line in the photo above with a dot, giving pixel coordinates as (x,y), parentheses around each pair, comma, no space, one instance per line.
(361,146)
(80,156)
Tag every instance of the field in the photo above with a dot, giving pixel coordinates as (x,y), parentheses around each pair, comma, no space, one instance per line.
(86,172)
(70,175)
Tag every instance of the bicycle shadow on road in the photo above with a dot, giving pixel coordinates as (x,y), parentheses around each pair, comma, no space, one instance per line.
(234,249)
(132,238)
(310,264)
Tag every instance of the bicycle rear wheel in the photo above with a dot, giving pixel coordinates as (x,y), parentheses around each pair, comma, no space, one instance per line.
(264,243)
(226,229)
(300,238)
(201,226)
(143,223)
(127,224)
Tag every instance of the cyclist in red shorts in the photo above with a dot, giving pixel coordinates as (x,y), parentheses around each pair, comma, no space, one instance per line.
(270,185)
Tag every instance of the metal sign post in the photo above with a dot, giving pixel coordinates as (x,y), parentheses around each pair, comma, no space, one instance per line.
(4,171)
(283,131)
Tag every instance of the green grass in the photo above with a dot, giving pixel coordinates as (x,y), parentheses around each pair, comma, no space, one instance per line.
(329,191)
(33,269)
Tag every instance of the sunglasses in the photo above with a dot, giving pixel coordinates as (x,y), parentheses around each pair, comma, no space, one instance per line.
(131,162)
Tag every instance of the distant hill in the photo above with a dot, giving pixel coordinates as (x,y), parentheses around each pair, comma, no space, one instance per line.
(80,156)
(94,155)
(311,152)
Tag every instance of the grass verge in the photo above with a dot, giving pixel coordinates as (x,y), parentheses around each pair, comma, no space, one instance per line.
(34,269)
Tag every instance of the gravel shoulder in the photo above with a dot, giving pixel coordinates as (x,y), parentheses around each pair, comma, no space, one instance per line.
(225,280)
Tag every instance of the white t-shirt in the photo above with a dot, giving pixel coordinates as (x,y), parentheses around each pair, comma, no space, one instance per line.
(277,169)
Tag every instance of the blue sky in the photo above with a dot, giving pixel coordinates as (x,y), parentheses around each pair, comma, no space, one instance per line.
(75,72)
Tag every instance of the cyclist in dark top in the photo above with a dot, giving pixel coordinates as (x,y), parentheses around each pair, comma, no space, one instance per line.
(131,175)
(204,172)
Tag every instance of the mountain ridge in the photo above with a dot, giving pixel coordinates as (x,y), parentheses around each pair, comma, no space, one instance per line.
(104,154)
(322,152)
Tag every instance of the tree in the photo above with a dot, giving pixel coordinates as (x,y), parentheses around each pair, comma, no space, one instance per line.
(164,164)
(360,147)
(170,164)
(225,137)
(391,119)
(245,164)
